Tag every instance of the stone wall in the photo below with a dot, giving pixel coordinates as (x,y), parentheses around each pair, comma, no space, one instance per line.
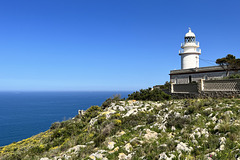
(185,88)
(210,89)
(211,94)
(219,94)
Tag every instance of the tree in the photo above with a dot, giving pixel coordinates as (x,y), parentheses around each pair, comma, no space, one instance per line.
(229,63)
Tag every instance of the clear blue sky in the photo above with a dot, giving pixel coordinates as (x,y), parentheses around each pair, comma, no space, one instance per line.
(89,45)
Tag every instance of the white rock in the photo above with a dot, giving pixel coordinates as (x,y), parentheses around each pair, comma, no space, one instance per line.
(209,155)
(183,147)
(195,141)
(163,145)
(121,108)
(221,147)
(208,123)
(66,156)
(97,155)
(228,112)
(222,140)
(120,133)
(132,111)
(111,145)
(92,157)
(91,142)
(177,114)
(93,121)
(165,157)
(134,139)
(192,136)
(108,113)
(205,132)
(186,116)
(128,147)
(162,127)
(45,158)
(210,115)
(76,148)
(150,135)
(214,119)
(115,150)
(208,109)
(216,127)
(138,126)
(122,156)
(198,115)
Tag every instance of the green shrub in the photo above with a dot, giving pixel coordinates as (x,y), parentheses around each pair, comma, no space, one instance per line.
(90,113)
(55,125)
(233,76)
(151,118)
(149,95)
(178,122)
(110,100)
(106,131)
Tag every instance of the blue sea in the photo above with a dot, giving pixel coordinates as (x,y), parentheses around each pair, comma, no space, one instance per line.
(24,114)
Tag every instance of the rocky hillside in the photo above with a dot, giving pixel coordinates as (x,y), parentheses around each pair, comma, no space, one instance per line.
(174,129)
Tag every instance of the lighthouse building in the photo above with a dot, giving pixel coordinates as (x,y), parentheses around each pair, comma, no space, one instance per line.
(190,51)
(193,81)
(190,70)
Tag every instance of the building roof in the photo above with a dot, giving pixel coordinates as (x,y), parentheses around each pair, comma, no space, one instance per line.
(190,33)
(197,70)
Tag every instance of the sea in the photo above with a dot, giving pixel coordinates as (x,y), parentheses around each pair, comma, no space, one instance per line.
(24,114)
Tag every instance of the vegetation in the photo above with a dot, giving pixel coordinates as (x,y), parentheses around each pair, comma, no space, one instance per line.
(174,129)
(233,76)
(149,95)
(229,63)
(110,100)
(165,86)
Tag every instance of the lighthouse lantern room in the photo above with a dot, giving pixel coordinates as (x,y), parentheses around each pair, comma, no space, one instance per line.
(190,51)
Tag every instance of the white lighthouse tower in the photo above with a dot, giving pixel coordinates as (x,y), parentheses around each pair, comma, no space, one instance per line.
(190,51)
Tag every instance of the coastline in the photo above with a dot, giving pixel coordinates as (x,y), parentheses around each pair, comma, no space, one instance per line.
(24,114)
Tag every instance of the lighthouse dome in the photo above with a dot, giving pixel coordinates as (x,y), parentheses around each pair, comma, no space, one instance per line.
(190,33)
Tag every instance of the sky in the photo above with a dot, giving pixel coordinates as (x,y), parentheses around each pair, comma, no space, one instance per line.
(108,45)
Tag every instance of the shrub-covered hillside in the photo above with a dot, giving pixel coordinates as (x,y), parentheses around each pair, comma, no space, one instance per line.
(174,129)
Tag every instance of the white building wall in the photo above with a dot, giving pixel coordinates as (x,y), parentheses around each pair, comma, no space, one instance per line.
(190,49)
(184,78)
(189,61)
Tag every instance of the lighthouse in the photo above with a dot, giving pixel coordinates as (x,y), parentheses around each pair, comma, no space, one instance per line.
(190,51)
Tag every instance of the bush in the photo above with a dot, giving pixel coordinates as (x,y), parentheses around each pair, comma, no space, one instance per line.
(149,95)
(90,113)
(233,76)
(55,125)
(106,131)
(110,100)
(178,122)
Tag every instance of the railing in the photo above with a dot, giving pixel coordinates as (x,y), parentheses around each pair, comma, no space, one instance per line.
(197,50)
(195,42)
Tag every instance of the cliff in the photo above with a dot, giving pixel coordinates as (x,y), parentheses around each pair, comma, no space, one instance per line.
(174,129)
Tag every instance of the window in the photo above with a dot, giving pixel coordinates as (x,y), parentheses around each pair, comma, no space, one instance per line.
(190,79)
(205,77)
